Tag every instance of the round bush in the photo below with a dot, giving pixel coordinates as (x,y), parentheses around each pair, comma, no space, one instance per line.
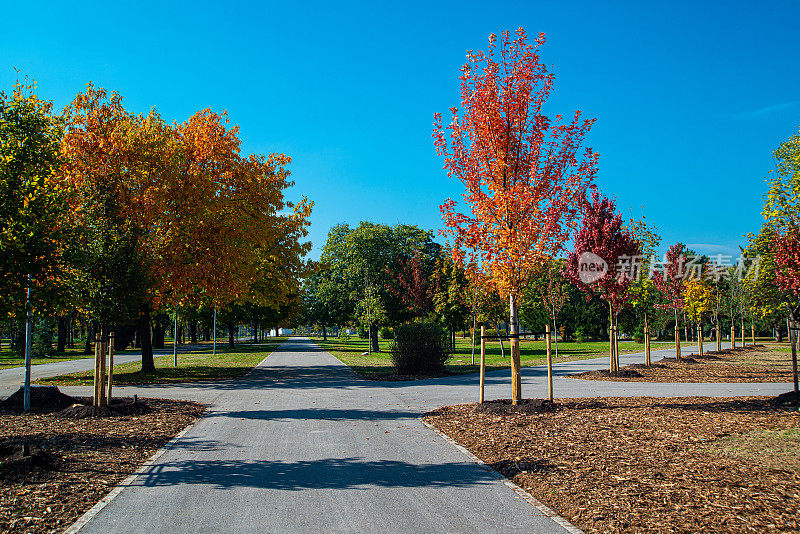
(387,332)
(420,348)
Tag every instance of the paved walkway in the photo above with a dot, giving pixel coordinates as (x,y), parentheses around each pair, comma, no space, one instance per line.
(303,444)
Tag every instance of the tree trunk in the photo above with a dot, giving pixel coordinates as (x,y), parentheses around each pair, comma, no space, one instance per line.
(324,334)
(148,364)
(611,359)
(158,331)
(502,350)
(474,321)
(87,348)
(231,340)
(516,371)
(61,343)
(193,330)
(373,339)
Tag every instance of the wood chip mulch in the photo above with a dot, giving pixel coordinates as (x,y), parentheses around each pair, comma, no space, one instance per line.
(737,365)
(70,464)
(645,465)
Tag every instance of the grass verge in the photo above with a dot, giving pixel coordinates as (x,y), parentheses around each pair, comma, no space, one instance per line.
(378,366)
(192,367)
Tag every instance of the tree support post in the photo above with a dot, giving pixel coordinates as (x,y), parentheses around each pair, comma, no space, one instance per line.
(719,337)
(549,365)
(753,333)
(793,342)
(647,360)
(110,364)
(743,334)
(516,376)
(175,341)
(700,336)
(483,361)
(96,397)
(733,335)
(677,342)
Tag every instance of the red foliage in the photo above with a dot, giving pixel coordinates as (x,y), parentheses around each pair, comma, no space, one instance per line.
(416,287)
(669,280)
(525,174)
(786,248)
(603,233)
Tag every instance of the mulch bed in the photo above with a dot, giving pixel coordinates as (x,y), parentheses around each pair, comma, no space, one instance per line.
(723,366)
(74,455)
(643,465)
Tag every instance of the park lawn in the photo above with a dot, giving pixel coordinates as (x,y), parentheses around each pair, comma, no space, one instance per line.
(378,366)
(192,367)
(9,359)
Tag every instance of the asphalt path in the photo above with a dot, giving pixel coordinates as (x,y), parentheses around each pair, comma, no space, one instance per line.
(304,444)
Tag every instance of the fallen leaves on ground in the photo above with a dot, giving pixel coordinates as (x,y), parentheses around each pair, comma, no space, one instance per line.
(77,461)
(642,465)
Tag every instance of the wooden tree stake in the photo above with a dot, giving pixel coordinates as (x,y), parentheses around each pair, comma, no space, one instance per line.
(96,397)
(733,336)
(483,361)
(549,364)
(647,344)
(110,365)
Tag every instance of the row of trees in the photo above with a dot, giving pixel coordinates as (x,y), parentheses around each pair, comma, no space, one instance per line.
(529,191)
(111,217)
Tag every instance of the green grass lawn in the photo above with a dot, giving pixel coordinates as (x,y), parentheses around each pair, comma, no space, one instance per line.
(531,353)
(192,367)
(11,359)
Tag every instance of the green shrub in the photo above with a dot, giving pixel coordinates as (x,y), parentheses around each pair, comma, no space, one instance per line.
(638,336)
(386,332)
(580,335)
(43,338)
(420,348)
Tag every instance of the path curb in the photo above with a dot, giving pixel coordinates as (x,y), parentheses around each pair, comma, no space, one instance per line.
(569,527)
(94,510)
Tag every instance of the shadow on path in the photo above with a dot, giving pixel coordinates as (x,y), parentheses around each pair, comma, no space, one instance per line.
(333,473)
(324,414)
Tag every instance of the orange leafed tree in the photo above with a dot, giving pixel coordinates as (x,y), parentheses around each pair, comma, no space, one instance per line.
(525,174)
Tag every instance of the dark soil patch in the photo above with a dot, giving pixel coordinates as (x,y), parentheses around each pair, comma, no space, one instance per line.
(525,406)
(784,399)
(72,463)
(646,465)
(44,399)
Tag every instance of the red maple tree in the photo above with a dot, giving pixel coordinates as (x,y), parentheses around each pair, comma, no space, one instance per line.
(525,175)
(603,233)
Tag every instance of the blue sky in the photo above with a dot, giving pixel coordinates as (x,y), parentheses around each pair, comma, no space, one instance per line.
(691,98)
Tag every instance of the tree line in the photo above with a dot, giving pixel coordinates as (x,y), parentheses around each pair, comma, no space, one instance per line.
(113,219)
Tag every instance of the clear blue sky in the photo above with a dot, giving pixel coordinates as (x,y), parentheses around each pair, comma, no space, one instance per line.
(691,98)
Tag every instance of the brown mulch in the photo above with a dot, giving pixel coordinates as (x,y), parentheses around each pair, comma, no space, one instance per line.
(646,465)
(72,460)
(738,365)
